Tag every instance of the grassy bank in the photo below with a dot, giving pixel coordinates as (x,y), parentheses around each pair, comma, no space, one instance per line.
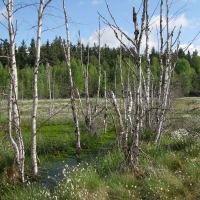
(168,172)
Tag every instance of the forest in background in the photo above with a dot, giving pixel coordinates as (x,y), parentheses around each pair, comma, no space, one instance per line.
(185,80)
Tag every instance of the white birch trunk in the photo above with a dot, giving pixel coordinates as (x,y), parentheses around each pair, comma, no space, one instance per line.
(117,110)
(161,63)
(167,80)
(106,103)
(51,106)
(138,103)
(99,70)
(137,115)
(124,139)
(13,97)
(148,70)
(73,100)
(9,128)
(129,129)
(35,88)
(88,119)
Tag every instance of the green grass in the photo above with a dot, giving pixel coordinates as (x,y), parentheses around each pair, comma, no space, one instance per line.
(168,172)
(163,174)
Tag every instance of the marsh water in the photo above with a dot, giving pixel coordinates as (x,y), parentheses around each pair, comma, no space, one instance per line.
(52,169)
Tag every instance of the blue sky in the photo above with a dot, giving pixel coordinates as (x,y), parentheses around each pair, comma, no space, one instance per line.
(83,16)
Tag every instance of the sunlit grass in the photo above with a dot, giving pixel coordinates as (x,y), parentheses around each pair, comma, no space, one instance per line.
(168,172)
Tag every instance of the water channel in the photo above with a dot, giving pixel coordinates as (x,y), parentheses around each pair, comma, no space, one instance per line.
(52,170)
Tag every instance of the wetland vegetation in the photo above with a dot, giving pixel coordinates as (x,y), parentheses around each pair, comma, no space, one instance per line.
(168,172)
(119,130)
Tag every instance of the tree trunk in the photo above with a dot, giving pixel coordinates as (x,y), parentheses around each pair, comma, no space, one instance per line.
(99,71)
(35,87)
(117,110)
(49,88)
(13,99)
(106,104)
(73,100)
(168,74)
(148,71)
(88,119)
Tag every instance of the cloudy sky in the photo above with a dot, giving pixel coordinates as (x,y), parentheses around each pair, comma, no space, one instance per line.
(83,16)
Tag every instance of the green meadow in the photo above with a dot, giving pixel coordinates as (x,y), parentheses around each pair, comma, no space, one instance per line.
(170,171)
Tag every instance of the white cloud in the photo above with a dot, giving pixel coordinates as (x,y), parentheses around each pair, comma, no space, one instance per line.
(181,20)
(94,2)
(2,11)
(80,3)
(107,37)
(191,48)
(173,22)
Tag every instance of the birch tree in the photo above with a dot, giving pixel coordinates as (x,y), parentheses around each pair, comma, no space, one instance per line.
(88,119)
(87,114)
(51,98)
(13,107)
(41,9)
(99,70)
(72,93)
(170,65)
(132,149)
(148,69)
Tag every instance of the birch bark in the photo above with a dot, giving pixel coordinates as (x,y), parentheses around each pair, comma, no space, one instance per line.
(99,70)
(18,146)
(73,100)
(35,87)
(117,110)
(138,108)
(51,105)
(168,73)
(148,69)
(88,119)
(106,103)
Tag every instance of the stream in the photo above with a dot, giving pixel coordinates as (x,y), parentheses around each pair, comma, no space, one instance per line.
(52,170)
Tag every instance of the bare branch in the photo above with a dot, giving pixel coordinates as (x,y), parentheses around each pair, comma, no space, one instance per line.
(110,13)
(48,2)
(114,28)
(5,57)
(130,67)
(186,48)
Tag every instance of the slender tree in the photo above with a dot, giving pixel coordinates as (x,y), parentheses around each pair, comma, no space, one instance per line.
(51,99)
(35,86)
(99,71)
(88,117)
(72,94)
(13,107)
(170,65)
(132,150)
(148,70)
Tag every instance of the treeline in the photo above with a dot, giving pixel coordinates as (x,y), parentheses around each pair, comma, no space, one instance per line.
(186,77)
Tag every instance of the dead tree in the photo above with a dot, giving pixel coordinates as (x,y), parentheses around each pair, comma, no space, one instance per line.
(72,93)
(120,120)
(106,103)
(51,98)
(148,71)
(170,65)
(132,149)
(99,72)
